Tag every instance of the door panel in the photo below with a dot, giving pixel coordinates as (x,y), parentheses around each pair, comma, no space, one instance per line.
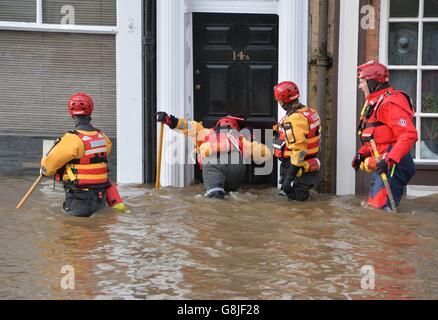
(218,76)
(258,86)
(235,70)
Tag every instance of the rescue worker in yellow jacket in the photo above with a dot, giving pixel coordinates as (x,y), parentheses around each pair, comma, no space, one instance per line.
(297,143)
(80,161)
(211,144)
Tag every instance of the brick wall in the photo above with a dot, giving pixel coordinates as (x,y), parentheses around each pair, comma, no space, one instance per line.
(370,37)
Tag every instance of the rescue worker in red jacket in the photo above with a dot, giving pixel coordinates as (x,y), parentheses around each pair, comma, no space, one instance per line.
(387,118)
(211,144)
(297,143)
(80,161)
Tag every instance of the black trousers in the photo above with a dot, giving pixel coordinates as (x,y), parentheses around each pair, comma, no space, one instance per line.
(84,202)
(300,190)
(223,175)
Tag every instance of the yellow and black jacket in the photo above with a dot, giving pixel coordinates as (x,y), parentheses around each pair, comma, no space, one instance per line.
(298,136)
(80,158)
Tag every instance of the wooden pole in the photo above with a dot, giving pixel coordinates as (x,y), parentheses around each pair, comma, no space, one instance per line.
(29,192)
(160,150)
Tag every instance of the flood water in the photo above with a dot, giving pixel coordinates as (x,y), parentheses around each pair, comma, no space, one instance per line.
(178,245)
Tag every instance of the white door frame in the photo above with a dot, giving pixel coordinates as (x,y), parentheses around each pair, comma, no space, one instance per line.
(347,96)
(175,61)
(130,123)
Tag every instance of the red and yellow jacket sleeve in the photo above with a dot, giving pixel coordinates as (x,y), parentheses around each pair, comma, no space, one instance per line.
(194,130)
(399,120)
(296,129)
(258,151)
(70,147)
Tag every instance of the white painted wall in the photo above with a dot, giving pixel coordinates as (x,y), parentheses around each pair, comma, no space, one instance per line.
(347,96)
(293,45)
(129,92)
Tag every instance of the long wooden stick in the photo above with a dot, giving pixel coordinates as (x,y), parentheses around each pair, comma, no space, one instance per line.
(29,192)
(160,150)
(384,177)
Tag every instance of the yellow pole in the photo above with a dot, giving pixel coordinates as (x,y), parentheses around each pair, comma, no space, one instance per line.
(160,150)
(384,177)
(29,192)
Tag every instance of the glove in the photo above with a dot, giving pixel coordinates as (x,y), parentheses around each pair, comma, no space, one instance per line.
(369,165)
(357,161)
(288,177)
(121,207)
(43,172)
(385,166)
(170,121)
(205,150)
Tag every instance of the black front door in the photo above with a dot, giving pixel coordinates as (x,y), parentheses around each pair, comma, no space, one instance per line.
(235,70)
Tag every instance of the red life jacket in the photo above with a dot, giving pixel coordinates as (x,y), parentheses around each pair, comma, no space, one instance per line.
(314,136)
(92,169)
(222,142)
(371,128)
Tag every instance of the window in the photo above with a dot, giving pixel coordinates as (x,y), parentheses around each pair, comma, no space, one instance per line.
(71,12)
(411,41)
(40,70)
(18,10)
(79,12)
(50,49)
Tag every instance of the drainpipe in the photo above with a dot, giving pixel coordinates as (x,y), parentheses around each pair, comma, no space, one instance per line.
(150,89)
(323,62)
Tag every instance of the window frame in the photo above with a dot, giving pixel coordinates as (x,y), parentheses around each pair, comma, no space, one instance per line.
(39,25)
(385,20)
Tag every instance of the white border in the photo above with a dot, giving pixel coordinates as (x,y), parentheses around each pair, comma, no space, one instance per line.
(174,60)
(347,96)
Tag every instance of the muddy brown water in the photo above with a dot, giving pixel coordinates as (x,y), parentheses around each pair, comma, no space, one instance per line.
(178,245)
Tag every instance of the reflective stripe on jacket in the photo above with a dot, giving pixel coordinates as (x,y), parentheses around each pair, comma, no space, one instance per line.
(299,135)
(92,168)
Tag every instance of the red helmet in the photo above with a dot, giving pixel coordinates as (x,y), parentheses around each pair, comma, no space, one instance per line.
(373,71)
(286,92)
(80,104)
(229,121)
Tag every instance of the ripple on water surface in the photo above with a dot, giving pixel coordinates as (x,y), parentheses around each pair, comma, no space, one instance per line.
(178,245)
